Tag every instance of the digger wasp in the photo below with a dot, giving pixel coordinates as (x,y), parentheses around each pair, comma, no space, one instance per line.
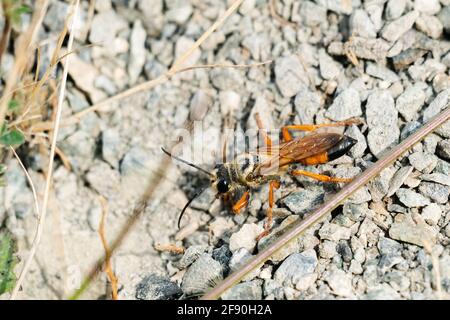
(233,181)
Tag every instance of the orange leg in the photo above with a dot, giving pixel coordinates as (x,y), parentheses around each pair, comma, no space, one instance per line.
(272,185)
(267,140)
(320,177)
(242,203)
(311,127)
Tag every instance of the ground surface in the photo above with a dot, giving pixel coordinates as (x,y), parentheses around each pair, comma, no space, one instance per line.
(386,62)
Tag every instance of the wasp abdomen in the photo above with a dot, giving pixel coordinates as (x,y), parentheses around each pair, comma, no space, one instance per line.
(341,148)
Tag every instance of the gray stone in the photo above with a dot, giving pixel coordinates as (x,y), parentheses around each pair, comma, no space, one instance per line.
(381,72)
(398,179)
(361,25)
(435,191)
(345,106)
(179,11)
(249,290)
(371,49)
(312,14)
(190,255)
(296,267)
(358,149)
(395,8)
(391,253)
(395,29)
(340,283)
(344,7)
(307,103)
(245,237)
(137,51)
(427,6)
(407,231)
(334,232)
(102,178)
(443,149)
(444,16)
(155,287)
(153,17)
(227,79)
(422,161)
(380,139)
(329,69)
(343,248)
(441,82)
(79,148)
(430,25)
(426,70)
(301,202)
(437,177)
(112,147)
(410,102)
(411,199)
(432,213)
(290,76)
(382,292)
(202,275)
(105,26)
(380,110)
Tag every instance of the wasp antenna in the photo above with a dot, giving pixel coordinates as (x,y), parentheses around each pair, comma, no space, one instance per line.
(186,162)
(187,205)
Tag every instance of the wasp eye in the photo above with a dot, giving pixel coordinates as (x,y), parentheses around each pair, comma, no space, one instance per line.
(223,186)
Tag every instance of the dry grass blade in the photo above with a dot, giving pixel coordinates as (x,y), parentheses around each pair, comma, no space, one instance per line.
(163,166)
(299,227)
(41,220)
(21,58)
(101,231)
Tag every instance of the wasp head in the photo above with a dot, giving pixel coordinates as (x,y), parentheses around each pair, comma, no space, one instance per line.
(221,180)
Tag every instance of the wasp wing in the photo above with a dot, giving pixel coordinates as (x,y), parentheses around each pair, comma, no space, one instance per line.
(297,149)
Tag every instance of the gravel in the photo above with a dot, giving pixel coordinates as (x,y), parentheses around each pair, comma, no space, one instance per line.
(384,62)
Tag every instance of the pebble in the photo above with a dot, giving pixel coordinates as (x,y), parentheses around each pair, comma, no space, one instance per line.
(430,25)
(408,231)
(137,51)
(179,11)
(441,82)
(382,138)
(398,179)
(395,29)
(358,149)
(84,74)
(105,27)
(395,8)
(432,213)
(435,191)
(444,16)
(329,69)
(312,14)
(423,161)
(103,179)
(407,57)
(190,255)
(202,275)
(411,199)
(411,101)
(229,101)
(361,25)
(307,103)
(296,267)
(290,76)
(334,232)
(382,292)
(381,72)
(345,106)
(245,237)
(156,287)
(79,148)
(226,79)
(301,202)
(249,290)
(443,149)
(371,49)
(437,177)
(113,148)
(338,6)
(391,253)
(340,283)
(327,249)
(380,110)
(427,6)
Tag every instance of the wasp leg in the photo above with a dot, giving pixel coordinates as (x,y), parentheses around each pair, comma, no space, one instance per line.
(272,185)
(241,203)
(320,177)
(311,127)
(260,125)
